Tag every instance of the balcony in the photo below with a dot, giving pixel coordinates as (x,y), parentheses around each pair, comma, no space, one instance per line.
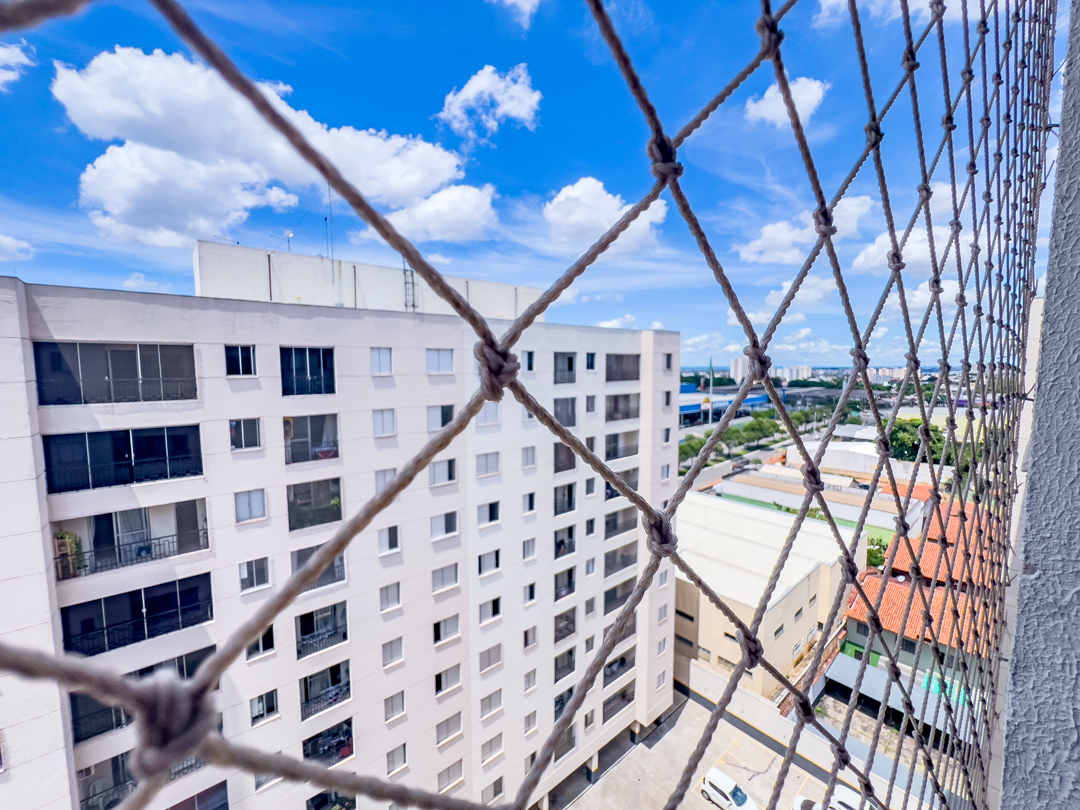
(629,477)
(110,558)
(335,572)
(565,625)
(331,801)
(564,584)
(622,406)
(622,367)
(184,767)
(90,718)
(321,629)
(615,598)
(629,630)
(108,797)
(307,371)
(314,503)
(564,499)
(613,453)
(565,744)
(331,746)
(331,697)
(324,689)
(565,367)
(564,542)
(618,667)
(88,373)
(565,665)
(310,438)
(619,701)
(620,522)
(620,559)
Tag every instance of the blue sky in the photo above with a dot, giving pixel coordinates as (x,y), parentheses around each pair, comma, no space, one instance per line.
(498,135)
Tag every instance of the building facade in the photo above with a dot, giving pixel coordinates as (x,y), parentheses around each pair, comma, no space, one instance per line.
(170,460)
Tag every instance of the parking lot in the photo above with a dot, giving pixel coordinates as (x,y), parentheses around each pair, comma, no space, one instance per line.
(645,777)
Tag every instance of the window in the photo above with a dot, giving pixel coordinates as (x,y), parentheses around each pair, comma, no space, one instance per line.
(244,433)
(623,367)
(530,680)
(862,629)
(335,572)
(306,371)
(566,411)
(661,646)
(487,463)
(660,679)
(491,703)
(590,404)
(239,361)
(314,503)
(590,606)
(561,700)
(779,631)
(590,642)
(564,499)
(667,361)
(663,579)
(528,503)
(490,657)
(620,558)
(263,707)
(590,443)
(490,609)
(263,644)
(908,645)
(254,573)
(394,706)
(615,598)
(390,596)
(445,577)
(491,749)
(440,361)
(590,361)
(528,549)
(667,399)
(590,486)
(439,416)
(530,593)
(488,562)
(564,458)
(590,718)
(590,566)
(565,625)
(530,637)
(492,791)
(395,760)
(798,614)
(446,629)
(590,526)
(528,457)
(310,438)
(665,472)
(564,584)
(489,414)
(564,367)
(383,422)
(382,361)
(448,777)
(264,779)
(250,505)
(81,373)
(442,472)
(487,513)
(622,406)
(530,724)
(448,728)
(666,435)
(526,414)
(389,540)
(447,679)
(444,525)
(391,652)
(383,478)
(661,614)
(813,598)
(527,361)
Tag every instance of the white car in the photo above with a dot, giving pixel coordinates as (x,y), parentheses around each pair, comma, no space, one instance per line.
(843,798)
(720,789)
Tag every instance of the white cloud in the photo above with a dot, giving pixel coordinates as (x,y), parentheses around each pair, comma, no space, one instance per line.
(15,250)
(803,346)
(789,242)
(195,158)
(626,321)
(438,258)
(835,12)
(580,213)
(656,325)
(490,98)
(711,341)
(762,317)
(523,9)
(814,291)
(140,283)
(807,94)
(454,214)
(12,61)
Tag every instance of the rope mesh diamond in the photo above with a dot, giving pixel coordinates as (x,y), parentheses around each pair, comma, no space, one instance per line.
(988,151)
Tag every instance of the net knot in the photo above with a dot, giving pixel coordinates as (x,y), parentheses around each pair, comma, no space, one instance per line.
(859,359)
(884,446)
(771,36)
(967,75)
(896,262)
(937,8)
(805,710)
(873,134)
(947,123)
(908,61)
(913,362)
(894,672)
(823,223)
(902,527)
(661,152)
(751,647)
(498,368)
(956,226)
(173,719)
(935,285)
(982,28)
(843,758)
(851,570)
(812,478)
(961,301)
(660,539)
(759,362)
(972,168)
(925,193)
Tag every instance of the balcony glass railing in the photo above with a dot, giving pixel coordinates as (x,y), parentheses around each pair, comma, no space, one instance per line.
(615,669)
(297,452)
(617,527)
(122,634)
(619,701)
(70,566)
(626,450)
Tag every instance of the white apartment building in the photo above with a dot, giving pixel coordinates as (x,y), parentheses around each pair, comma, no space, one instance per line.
(170,460)
(739,368)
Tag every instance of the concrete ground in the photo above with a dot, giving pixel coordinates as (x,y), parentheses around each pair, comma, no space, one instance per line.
(645,777)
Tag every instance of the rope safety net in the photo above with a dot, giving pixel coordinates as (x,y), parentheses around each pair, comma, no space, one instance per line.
(983,166)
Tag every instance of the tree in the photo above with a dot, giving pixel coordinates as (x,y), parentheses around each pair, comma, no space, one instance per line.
(690,447)
(875,551)
(854,419)
(732,437)
(905,440)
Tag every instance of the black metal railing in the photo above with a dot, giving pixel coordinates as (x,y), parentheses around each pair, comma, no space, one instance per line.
(564,504)
(615,529)
(615,598)
(619,701)
(333,573)
(330,750)
(331,697)
(147,389)
(183,768)
(110,797)
(621,452)
(71,477)
(122,634)
(70,566)
(297,452)
(566,744)
(614,670)
(297,385)
(565,626)
(564,670)
(103,720)
(323,639)
(303,517)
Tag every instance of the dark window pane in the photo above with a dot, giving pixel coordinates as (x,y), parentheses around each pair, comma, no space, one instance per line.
(110,458)
(150,457)
(57,366)
(247,359)
(177,372)
(288,384)
(185,451)
(162,609)
(66,463)
(232,360)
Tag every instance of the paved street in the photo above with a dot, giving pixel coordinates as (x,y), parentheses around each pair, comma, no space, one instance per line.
(645,777)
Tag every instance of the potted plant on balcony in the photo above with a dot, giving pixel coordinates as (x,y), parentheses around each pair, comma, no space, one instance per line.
(69,553)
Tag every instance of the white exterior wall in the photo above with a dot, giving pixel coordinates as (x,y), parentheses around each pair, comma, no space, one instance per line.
(34,718)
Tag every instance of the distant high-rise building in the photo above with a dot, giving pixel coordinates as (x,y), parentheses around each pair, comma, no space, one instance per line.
(740,367)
